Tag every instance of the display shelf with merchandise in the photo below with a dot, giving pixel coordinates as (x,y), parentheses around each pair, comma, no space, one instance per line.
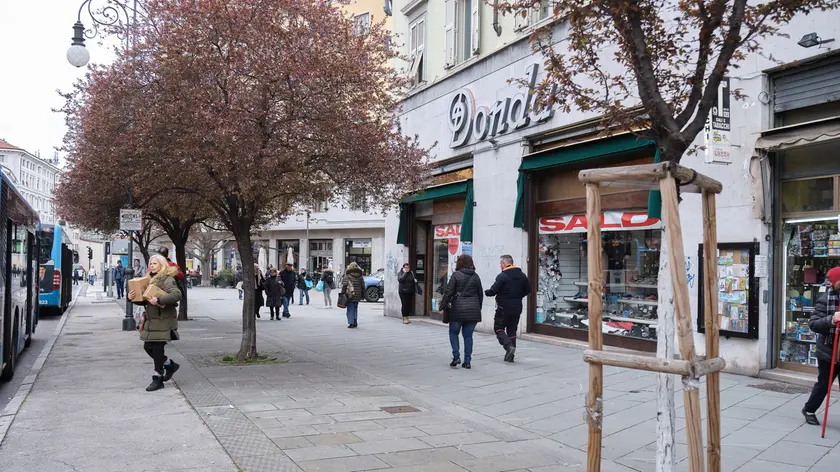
(575,300)
(639,302)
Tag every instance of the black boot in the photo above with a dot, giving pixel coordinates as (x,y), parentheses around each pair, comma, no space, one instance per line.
(169,370)
(467,365)
(455,361)
(157,383)
(272,317)
(511,350)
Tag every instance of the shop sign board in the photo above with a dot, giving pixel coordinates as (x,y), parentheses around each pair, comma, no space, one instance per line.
(719,128)
(610,221)
(361,244)
(467,122)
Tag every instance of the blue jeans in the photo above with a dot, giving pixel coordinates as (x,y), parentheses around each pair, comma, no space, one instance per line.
(467,329)
(119,283)
(303,291)
(352,313)
(286,301)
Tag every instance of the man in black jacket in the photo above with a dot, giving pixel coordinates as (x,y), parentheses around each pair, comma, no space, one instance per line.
(289,279)
(824,322)
(510,287)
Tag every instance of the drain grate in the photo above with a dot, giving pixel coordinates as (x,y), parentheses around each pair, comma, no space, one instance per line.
(79,333)
(780,387)
(399,409)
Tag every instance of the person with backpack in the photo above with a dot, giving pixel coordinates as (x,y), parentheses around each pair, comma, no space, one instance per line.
(328,277)
(461,305)
(274,291)
(353,287)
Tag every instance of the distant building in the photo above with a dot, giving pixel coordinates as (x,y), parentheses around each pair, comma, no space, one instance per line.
(35,178)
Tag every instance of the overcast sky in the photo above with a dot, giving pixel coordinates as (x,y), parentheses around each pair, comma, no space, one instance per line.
(36,35)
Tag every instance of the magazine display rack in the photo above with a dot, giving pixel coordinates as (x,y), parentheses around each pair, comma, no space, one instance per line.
(664,177)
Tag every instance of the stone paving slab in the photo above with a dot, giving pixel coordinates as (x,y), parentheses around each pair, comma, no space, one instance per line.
(320,410)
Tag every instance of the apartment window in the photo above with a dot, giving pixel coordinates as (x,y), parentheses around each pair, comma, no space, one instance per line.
(359,202)
(416,47)
(462,28)
(361,24)
(321,207)
(540,12)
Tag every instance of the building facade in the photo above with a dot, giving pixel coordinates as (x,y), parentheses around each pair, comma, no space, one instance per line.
(506,183)
(34,177)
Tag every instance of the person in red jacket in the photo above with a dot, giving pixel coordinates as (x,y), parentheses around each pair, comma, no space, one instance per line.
(164,251)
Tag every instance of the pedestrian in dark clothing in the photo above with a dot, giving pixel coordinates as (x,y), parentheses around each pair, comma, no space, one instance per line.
(328,277)
(407,289)
(303,287)
(259,287)
(353,287)
(274,292)
(510,287)
(462,301)
(119,278)
(824,322)
(75,276)
(289,279)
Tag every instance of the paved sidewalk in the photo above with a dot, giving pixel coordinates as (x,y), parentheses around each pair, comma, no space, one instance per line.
(320,407)
(88,410)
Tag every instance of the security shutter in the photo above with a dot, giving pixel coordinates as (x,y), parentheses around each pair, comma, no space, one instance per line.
(807,85)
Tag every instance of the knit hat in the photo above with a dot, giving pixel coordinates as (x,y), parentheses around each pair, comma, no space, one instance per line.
(833,276)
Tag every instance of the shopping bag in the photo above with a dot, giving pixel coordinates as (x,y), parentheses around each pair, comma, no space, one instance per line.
(308,284)
(320,286)
(342,301)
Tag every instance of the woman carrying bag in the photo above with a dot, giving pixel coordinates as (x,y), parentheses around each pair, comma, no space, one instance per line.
(161,322)
(462,301)
(352,288)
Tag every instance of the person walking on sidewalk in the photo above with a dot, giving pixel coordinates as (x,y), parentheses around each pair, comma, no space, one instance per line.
(462,301)
(76,277)
(274,292)
(259,286)
(328,277)
(92,275)
(289,279)
(353,286)
(407,289)
(823,322)
(303,283)
(510,287)
(119,278)
(161,322)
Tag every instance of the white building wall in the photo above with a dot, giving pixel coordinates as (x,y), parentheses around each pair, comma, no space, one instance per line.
(35,179)
(425,114)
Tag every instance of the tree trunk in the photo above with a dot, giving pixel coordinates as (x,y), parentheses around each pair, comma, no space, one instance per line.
(248,346)
(181,259)
(206,265)
(665,350)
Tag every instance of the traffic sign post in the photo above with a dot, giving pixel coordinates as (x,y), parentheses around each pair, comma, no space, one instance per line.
(130,221)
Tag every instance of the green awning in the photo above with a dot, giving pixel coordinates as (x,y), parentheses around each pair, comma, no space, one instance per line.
(655,197)
(442,191)
(602,148)
(467,221)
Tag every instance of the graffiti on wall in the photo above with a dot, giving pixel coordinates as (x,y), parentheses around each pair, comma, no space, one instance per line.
(392,265)
(690,274)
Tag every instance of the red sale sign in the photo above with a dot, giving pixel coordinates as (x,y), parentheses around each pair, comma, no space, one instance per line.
(610,221)
(448,231)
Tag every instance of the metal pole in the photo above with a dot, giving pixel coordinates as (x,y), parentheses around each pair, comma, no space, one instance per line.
(308,246)
(129,323)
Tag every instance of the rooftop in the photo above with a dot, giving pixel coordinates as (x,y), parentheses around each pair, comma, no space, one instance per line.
(5,145)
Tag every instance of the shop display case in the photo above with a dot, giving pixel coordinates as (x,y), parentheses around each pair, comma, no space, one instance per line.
(737,288)
(811,249)
(630,291)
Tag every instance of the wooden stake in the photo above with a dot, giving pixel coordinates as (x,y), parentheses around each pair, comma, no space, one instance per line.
(634,361)
(594,404)
(673,231)
(712,325)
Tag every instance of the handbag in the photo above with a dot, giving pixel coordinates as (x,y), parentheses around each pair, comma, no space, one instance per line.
(308,284)
(342,301)
(320,286)
(419,288)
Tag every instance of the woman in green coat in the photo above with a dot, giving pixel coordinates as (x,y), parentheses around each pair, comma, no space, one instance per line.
(161,322)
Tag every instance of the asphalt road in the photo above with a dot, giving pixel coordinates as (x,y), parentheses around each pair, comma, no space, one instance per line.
(42,334)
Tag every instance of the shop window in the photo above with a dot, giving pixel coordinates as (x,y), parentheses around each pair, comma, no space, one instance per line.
(359,251)
(446,248)
(630,255)
(799,196)
(811,249)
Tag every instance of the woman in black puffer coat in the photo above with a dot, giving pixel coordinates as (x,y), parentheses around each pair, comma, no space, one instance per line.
(462,300)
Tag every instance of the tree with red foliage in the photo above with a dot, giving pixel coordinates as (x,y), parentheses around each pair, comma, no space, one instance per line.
(255,108)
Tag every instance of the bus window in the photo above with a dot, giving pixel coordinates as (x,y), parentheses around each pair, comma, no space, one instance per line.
(46,247)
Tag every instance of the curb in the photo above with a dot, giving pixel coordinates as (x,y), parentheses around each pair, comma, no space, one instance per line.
(7,417)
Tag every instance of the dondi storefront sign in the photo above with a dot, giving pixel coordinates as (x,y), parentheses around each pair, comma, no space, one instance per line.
(466,122)
(610,221)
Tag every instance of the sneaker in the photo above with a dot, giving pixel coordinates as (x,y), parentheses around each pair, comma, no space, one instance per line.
(157,383)
(511,350)
(455,361)
(810,418)
(169,370)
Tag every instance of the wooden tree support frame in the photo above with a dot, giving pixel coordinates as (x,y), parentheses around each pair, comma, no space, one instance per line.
(665,177)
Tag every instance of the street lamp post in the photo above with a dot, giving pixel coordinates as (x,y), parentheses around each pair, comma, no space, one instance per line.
(112,13)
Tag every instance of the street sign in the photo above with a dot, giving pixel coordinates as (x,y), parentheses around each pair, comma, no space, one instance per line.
(131,220)
(719,128)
